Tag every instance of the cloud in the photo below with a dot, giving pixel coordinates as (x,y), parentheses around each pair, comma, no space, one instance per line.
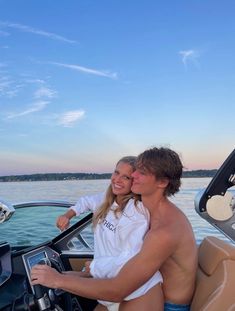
(8,87)
(189,56)
(39,32)
(22,135)
(102,73)
(3,65)
(69,118)
(4,33)
(45,92)
(5,84)
(36,81)
(38,106)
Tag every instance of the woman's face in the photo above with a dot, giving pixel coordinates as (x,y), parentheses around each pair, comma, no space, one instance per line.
(121,180)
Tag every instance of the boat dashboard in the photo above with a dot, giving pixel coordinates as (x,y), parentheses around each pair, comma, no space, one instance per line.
(16,291)
(69,250)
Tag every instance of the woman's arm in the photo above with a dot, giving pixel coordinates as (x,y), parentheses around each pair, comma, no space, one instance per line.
(84,204)
(88,203)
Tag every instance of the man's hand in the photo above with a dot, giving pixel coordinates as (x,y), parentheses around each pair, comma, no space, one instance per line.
(45,275)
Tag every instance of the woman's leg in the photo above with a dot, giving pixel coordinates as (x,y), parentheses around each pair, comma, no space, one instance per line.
(100,307)
(153,300)
(113,307)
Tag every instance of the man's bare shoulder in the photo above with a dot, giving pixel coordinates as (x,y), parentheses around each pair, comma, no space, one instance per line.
(166,217)
(167,227)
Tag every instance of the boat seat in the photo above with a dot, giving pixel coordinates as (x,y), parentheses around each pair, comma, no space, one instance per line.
(215,285)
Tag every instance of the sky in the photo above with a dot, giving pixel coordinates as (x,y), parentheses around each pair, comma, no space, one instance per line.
(85,82)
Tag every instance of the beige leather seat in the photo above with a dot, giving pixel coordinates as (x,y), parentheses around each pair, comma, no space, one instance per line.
(215,289)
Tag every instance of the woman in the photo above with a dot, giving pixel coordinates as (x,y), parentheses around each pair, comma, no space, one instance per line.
(120,223)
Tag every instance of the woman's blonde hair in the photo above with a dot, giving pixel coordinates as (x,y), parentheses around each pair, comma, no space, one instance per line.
(110,197)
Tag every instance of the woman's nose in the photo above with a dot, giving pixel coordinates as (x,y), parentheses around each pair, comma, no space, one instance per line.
(117,178)
(133,174)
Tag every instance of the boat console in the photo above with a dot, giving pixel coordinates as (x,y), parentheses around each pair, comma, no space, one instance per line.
(43,255)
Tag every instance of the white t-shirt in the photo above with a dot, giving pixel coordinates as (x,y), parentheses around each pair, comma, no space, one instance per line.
(117,239)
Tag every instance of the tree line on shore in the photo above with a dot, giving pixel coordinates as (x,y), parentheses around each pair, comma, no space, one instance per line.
(89,176)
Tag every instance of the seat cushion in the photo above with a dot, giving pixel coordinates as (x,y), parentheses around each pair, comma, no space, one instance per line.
(212,251)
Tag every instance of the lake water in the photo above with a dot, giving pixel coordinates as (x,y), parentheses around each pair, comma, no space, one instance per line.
(16,192)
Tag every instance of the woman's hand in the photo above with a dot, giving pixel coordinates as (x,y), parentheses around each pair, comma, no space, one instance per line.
(62,222)
(87,267)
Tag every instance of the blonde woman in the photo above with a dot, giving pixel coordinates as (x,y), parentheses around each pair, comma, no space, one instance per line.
(120,223)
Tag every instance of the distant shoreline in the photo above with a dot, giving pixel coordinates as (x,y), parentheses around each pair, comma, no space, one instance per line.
(89,176)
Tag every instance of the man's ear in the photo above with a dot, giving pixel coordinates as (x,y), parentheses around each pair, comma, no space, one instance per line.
(163,182)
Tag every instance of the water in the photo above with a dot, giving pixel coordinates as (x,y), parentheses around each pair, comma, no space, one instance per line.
(68,190)
(16,192)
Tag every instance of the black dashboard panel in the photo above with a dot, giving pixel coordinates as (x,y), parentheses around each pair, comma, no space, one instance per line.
(15,287)
(12,285)
(5,263)
(42,255)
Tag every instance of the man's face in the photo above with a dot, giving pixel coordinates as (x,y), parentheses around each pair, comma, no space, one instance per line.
(144,182)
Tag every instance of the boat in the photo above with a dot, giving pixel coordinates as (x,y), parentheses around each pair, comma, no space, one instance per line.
(68,250)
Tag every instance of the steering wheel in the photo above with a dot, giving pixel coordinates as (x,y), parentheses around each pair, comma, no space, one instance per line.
(52,299)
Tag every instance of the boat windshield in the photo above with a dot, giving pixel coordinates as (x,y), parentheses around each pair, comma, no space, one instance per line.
(32,224)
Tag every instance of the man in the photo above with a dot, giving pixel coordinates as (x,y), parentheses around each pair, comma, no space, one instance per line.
(169,245)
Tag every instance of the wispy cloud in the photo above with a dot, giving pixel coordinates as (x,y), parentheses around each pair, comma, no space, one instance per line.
(4,33)
(189,56)
(36,81)
(5,85)
(45,92)
(22,135)
(8,87)
(102,73)
(69,118)
(38,106)
(39,32)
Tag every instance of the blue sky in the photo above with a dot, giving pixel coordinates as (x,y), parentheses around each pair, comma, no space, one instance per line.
(83,83)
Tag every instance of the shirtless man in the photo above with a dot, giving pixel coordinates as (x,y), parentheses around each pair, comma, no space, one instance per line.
(169,245)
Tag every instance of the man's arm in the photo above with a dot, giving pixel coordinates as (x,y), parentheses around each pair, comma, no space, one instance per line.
(157,247)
